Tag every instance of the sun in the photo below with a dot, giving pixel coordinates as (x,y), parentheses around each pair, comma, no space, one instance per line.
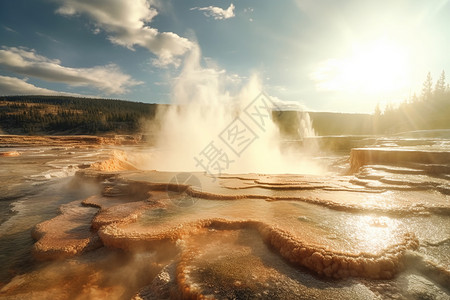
(378,67)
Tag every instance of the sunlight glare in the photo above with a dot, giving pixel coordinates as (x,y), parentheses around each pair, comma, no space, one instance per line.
(374,232)
(375,68)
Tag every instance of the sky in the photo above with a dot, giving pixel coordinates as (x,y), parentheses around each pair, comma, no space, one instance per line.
(342,56)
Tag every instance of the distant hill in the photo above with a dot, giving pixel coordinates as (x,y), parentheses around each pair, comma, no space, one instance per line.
(44,115)
(71,115)
(325,123)
(40,115)
(430,112)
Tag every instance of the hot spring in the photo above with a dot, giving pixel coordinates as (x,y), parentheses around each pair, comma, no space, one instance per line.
(101,222)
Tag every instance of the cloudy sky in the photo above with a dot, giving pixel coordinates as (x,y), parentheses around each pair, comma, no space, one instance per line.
(326,55)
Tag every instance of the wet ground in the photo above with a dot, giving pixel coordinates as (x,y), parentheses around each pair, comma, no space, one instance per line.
(116,231)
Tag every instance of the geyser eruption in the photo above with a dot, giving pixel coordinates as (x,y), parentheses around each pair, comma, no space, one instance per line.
(305,129)
(210,129)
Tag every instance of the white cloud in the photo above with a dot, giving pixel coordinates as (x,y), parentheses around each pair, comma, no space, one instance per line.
(126,23)
(216,12)
(108,79)
(16,86)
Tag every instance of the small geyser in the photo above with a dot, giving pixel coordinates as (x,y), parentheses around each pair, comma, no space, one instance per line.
(305,128)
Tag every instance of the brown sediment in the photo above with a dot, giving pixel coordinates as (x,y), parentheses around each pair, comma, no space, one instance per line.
(397,170)
(230,264)
(211,254)
(69,140)
(306,250)
(437,273)
(120,214)
(136,213)
(9,154)
(118,162)
(381,179)
(95,176)
(163,286)
(118,228)
(299,250)
(370,156)
(273,182)
(101,202)
(337,195)
(100,274)
(343,194)
(66,235)
(336,264)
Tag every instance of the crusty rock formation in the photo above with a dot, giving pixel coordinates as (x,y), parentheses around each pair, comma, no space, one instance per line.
(66,235)
(250,234)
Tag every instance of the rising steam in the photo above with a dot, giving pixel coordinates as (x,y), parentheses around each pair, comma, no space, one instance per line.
(201,110)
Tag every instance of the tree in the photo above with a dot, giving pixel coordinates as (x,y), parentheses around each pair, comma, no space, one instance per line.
(427,89)
(377,112)
(376,119)
(389,108)
(440,87)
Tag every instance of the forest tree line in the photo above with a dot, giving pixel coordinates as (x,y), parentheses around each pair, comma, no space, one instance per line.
(430,110)
(71,115)
(39,115)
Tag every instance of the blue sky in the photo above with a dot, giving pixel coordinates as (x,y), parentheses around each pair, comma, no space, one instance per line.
(325,55)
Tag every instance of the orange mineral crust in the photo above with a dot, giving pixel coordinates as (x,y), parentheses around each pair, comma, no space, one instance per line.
(346,244)
(163,235)
(66,235)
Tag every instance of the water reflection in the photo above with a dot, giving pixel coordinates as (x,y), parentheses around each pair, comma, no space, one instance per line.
(373,232)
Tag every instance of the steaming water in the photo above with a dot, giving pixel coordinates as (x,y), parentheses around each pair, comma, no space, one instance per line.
(207,117)
(39,181)
(34,186)
(348,232)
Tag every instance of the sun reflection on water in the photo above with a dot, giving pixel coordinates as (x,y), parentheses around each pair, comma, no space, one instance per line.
(374,233)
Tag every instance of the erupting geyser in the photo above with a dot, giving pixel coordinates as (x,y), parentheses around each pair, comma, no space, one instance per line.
(206,117)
